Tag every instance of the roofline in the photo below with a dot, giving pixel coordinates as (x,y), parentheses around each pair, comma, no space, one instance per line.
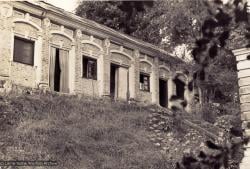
(69,19)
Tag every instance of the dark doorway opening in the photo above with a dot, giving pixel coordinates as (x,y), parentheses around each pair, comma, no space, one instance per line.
(180,88)
(163,93)
(113,81)
(57,73)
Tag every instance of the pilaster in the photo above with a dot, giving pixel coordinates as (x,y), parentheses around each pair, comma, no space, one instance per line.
(106,68)
(45,52)
(6,38)
(134,76)
(171,89)
(155,81)
(78,53)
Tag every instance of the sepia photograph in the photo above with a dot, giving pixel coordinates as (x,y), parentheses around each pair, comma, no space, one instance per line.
(121,84)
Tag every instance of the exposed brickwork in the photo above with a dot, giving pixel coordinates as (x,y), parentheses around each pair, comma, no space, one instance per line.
(87,87)
(45,52)
(23,74)
(145,96)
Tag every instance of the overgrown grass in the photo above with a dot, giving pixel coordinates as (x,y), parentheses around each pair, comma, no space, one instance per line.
(77,133)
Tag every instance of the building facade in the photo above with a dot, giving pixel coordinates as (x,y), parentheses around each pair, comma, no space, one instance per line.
(43,46)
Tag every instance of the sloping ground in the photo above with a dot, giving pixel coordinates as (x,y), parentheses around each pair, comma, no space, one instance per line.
(92,133)
(180,135)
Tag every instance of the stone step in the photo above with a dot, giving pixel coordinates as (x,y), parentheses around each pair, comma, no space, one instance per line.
(157,131)
(151,128)
(155,119)
(159,138)
(151,135)
(157,144)
(152,139)
(161,122)
(158,134)
(155,125)
(155,114)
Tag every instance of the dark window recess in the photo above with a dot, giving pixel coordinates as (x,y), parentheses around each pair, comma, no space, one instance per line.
(57,73)
(89,68)
(144,82)
(180,88)
(23,51)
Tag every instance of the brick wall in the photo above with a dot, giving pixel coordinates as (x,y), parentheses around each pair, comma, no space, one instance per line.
(87,87)
(145,96)
(22,74)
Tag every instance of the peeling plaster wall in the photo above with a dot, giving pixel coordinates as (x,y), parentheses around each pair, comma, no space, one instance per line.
(79,37)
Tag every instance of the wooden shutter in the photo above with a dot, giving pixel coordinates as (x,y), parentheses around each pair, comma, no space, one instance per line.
(23,51)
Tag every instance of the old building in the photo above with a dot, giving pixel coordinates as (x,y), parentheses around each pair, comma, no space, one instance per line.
(43,46)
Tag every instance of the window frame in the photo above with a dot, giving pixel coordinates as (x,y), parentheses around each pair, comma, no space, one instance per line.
(32,52)
(86,68)
(143,75)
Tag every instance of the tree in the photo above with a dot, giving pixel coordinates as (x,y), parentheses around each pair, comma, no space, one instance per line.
(151,21)
(217,30)
(120,15)
(212,49)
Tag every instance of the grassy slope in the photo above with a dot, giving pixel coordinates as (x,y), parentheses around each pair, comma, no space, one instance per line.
(78,133)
